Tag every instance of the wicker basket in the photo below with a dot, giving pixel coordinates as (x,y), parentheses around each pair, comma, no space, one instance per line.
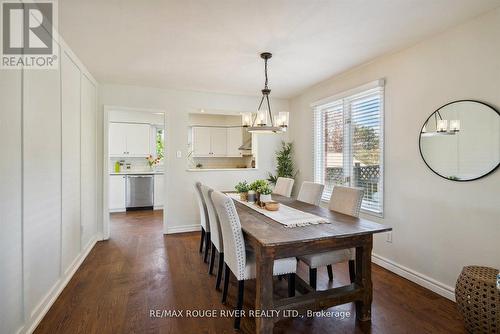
(478,299)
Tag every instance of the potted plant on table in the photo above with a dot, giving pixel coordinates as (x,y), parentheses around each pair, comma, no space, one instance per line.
(242,188)
(254,187)
(265,192)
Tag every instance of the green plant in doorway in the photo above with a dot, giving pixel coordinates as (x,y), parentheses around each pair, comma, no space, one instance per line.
(160,146)
(284,163)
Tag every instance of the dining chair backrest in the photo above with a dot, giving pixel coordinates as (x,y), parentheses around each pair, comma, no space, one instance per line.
(311,192)
(213,218)
(234,244)
(346,200)
(202,207)
(283,186)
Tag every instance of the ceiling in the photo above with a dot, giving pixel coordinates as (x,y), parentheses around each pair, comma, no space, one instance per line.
(214,45)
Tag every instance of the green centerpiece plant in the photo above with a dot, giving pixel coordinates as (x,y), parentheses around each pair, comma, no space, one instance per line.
(254,187)
(264,192)
(242,188)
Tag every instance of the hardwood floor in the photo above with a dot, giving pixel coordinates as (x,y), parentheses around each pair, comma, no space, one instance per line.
(139,270)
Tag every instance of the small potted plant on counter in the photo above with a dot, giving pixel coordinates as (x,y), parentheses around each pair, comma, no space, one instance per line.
(242,188)
(264,192)
(254,187)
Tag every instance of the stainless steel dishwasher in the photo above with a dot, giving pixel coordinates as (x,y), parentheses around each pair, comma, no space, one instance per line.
(140,190)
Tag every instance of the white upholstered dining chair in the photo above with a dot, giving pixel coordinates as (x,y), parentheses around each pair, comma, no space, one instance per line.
(205,227)
(347,201)
(215,234)
(241,261)
(283,186)
(311,192)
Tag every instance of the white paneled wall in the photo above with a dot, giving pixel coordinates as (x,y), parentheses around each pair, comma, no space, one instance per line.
(70,115)
(48,187)
(41,185)
(11,273)
(88,161)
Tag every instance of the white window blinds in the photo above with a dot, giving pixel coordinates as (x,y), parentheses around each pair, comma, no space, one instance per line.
(348,145)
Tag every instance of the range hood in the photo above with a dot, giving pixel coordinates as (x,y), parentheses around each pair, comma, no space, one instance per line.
(247,145)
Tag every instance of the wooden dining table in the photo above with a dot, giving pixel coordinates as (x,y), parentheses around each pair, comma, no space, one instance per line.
(271,240)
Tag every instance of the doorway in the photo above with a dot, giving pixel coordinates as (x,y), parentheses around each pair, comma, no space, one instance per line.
(134,168)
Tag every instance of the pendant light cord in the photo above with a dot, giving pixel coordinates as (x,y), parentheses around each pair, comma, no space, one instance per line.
(265,73)
(266,96)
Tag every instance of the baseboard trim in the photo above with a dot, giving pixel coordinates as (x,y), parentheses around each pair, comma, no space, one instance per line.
(416,277)
(183,229)
(51,297)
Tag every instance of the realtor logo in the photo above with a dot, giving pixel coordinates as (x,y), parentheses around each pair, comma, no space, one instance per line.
(28,36)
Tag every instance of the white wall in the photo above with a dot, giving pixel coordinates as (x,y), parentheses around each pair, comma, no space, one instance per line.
(439,225)
(48,149)
(181,211)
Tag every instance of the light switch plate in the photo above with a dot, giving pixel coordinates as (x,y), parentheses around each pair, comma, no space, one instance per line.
(388,237)
(179,154)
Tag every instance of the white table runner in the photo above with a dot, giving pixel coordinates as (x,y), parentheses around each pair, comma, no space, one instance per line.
(287,216)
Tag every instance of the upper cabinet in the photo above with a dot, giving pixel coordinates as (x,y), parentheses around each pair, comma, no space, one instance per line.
(216,141)
(234,142)
(202,146)
(129,140)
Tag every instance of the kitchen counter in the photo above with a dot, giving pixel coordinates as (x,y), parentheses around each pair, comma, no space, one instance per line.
(220,169)
(132,172)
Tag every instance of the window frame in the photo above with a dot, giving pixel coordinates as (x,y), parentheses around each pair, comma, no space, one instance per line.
(319,131)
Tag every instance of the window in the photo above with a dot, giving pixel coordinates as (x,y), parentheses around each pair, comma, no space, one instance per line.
(348,143)
(159,143)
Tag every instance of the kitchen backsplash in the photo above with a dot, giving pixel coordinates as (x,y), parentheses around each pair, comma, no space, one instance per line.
(243,162)
(136,164)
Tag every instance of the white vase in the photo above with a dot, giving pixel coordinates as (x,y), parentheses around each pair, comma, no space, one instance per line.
(265,198)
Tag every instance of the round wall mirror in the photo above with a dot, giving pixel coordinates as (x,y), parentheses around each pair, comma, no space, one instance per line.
(461,140)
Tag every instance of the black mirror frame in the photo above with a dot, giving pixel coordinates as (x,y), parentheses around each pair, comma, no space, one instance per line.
(420,141)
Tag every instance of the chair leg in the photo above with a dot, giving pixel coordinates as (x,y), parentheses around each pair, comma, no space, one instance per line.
(220,265)
(212,260)
(202,239)
(239,304)
(226,283)
(313,273)
(207,246)
(291,285)
(330,272)
(352,270)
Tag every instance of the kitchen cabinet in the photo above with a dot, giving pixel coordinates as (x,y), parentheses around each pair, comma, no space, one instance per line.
(234,142)
(129,140)
(217,141)
(117,193)
(158,191)
(202,142)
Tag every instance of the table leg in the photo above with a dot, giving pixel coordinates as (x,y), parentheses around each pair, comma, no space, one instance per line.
(364,279)
(264,289)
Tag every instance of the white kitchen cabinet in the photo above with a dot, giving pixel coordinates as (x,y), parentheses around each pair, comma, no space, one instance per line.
(234,142)
(117,193)
(218,142)
(129,140)
(158,191)
(201,142)
(138,140)
(117,139)
(209,142)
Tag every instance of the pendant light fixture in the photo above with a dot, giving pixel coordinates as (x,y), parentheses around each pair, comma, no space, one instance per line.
(263,121)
